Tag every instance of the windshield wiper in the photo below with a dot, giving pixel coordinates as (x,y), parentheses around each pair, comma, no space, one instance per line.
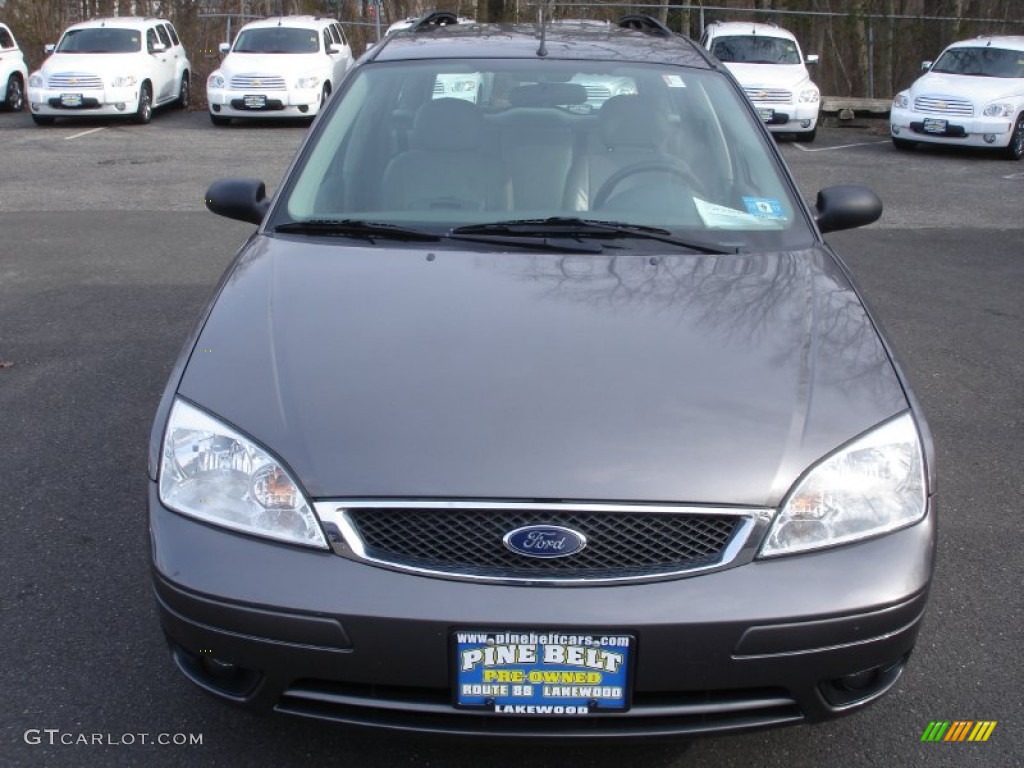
(576,227)
(356,228)
(561,245)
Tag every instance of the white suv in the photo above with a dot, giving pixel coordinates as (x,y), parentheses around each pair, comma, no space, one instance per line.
(972,96)
(768,63)
(117,67)
(13,72)
(285,66)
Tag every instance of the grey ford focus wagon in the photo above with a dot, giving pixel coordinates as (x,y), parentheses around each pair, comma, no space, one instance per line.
(522,416)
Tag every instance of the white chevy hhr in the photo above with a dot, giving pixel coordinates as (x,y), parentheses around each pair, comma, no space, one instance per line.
(284,66)
(972,96)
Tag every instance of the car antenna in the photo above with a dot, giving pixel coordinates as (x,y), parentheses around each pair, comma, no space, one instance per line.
(542,49)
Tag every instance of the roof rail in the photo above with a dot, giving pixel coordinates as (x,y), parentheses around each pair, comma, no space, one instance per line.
(646,24)
(433,19)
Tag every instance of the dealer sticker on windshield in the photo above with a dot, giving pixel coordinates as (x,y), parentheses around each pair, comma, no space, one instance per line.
(542,673)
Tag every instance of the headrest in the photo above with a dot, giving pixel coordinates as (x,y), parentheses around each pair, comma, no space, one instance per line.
(448,124)
(548,95)
(631,121)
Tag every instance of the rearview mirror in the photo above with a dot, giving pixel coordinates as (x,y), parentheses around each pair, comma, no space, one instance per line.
(846,206)
(241,199)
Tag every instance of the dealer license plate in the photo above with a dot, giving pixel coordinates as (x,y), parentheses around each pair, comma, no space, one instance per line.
(934,125)
(767,115)
(255,102)
(71,99)
(547,673)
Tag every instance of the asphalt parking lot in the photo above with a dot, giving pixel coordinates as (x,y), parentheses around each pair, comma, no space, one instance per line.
(107,255)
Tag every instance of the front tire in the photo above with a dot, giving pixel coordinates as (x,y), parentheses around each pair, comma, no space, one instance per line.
(219,121)
(806,136)
(144,113)
(1015,149)
(184,93)
(14,95)
(902,144)
(43,120)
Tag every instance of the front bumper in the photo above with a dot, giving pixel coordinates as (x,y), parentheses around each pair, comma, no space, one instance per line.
(108,102)
(313,634)
(800,117)
(276,104)
(959,131)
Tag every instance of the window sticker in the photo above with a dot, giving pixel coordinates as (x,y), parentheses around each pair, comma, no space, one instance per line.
(765,208)
(673,81)
(722,217)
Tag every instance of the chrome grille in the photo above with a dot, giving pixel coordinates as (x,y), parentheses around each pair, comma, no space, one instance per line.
(263,82)
(769,95)
(465,539)
(82,82)
(939,105)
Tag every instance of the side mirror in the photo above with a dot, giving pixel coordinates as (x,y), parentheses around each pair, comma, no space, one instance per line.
(336,48)
(846,206)
(158,48)
(811,58)
(926,65)
(242,199)
(224,47)
(49,48)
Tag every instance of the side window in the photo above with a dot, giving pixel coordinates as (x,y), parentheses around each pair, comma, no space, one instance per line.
(164,37)
(6,41)
(327,41)
(173,34)
(151,39)
(339,36)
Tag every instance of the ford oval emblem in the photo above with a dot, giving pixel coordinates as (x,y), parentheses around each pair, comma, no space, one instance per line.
(545,541)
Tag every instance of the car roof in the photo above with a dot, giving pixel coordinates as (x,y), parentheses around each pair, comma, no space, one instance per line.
(292,21)
(750,28)
(122,22)
(1012,42)
(579,41)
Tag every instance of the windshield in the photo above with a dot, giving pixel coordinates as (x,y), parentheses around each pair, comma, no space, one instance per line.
(982,62)
(756,49)
(100,40)
(277,40)
(445,145)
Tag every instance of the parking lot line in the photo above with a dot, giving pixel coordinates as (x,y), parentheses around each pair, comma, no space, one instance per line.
(85,133)
(841,146)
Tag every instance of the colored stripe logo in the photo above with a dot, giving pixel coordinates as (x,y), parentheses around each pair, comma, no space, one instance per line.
(958,730)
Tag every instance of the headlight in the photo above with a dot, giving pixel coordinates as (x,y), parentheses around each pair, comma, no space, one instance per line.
(125,81)
(809,95)
(211,472)
(999,110)
(901,101)
(872,486)
(36,80)
(308,82)
(215,81)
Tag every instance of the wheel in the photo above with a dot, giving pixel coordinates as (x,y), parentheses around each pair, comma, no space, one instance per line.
(678,170)
(903,144)
(806,136)
(218,120)
(184,93)
(1015,149)
(145,111)
(325,95)
(14,98)
(43,120)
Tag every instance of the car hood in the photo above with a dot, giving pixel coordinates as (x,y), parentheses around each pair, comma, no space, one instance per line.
(95,63)
(382,372)
(979,90)
(769,75)
(272,63)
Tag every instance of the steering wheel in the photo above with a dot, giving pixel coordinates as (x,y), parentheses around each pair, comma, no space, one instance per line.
(673,169)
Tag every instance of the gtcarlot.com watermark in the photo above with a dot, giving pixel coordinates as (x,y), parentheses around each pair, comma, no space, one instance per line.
(56,737)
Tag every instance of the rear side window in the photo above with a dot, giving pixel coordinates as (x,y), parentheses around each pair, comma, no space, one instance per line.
(164,37)
(339,34)
(173,34)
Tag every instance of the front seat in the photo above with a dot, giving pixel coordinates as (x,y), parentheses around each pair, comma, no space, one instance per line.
(446,167)
(631,132)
